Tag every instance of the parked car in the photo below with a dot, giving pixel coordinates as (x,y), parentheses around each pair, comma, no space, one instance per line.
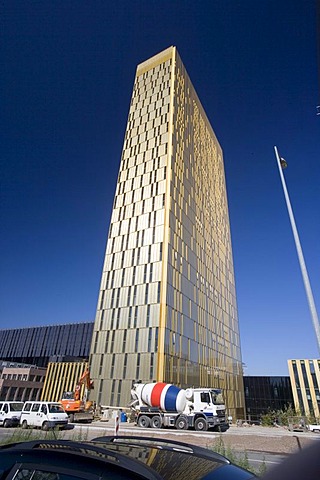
(44,415)
(133,458)
(314,428)
(10,413)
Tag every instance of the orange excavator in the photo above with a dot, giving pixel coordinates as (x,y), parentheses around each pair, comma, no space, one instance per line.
(79,409)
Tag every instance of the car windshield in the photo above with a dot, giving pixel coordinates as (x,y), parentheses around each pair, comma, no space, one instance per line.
(16,406)
(55,408)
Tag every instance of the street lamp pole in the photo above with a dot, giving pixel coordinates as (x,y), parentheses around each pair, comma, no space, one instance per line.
(315,320)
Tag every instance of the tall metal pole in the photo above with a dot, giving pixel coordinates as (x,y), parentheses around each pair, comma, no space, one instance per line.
(315,320)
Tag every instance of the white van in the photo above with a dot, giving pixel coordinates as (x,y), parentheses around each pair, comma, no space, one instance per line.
(10,413)
(44,415)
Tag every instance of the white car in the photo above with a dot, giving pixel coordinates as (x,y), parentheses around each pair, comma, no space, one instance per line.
(10,413)
(44,415)
(314,428)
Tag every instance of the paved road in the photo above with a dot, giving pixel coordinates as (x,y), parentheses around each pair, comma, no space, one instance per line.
(257,459)
(107,428)
(255,431)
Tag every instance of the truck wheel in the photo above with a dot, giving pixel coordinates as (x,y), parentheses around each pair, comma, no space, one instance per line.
(24,424)
(45,426)
(181,423)
(156,422)
(144,421)
(222,429)
(200,424)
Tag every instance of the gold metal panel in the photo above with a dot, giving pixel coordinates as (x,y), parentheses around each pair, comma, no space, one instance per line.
(61,377)
(154,61)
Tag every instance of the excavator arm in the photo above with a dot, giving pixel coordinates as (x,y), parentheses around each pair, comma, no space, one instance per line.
(73,403)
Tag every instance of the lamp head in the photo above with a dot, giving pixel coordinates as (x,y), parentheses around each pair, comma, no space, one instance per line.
(283,163)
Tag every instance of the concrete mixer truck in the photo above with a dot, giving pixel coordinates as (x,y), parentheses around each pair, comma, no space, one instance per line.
(160,405)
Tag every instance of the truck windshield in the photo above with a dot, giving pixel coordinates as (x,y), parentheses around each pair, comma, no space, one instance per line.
(16,406)
(68,396)
(217,398)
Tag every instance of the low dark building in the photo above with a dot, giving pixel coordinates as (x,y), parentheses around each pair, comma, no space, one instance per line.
(263,394)
(20,382)
(41,345)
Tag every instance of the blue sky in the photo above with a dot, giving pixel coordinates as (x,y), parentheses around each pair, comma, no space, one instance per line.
(65,86)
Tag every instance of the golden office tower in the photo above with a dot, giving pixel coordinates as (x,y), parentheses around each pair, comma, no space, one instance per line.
(305,384)
(167,305)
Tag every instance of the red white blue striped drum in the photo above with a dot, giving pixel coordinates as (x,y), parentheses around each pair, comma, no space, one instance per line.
(163,395)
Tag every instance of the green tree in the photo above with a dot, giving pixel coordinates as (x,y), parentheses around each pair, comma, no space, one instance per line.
(280,417)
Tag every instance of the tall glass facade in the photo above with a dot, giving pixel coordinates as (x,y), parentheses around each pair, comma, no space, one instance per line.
(167,304)
(265,394)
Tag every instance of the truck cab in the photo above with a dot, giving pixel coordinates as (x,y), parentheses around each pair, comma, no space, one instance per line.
(208,408)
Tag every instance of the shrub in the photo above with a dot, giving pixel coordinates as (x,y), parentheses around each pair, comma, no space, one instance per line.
(235,457)
(19,435)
